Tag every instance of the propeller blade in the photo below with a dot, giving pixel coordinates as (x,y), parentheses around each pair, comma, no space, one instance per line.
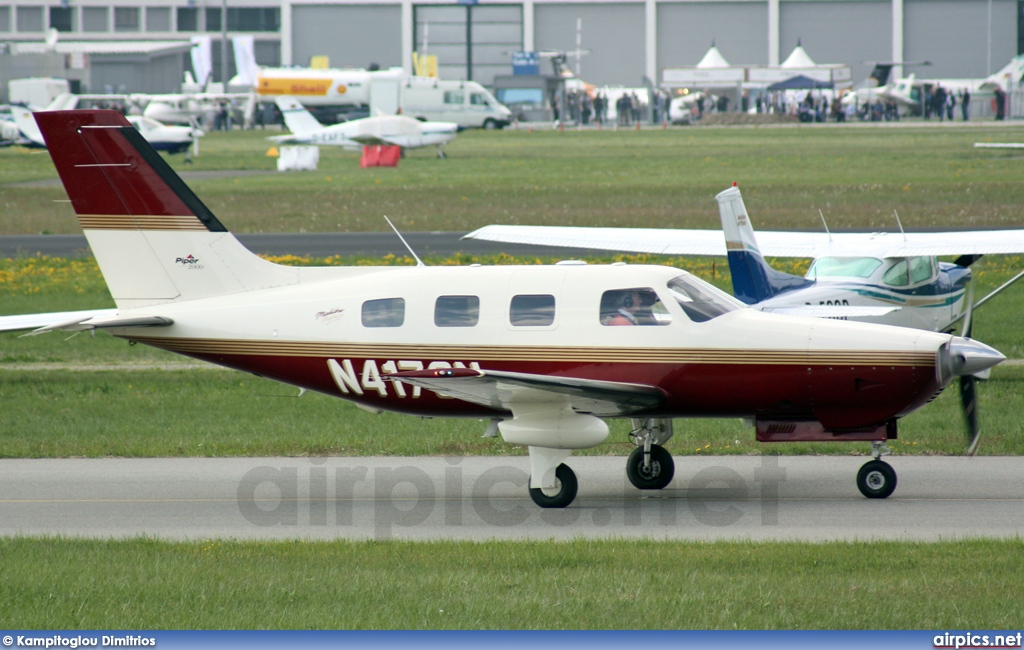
(969,403)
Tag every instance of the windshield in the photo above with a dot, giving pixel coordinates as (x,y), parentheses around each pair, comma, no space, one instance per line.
(846,267)
(700,300)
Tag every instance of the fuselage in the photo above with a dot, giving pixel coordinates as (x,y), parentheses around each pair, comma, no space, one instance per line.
(926,293)
(398,130)
(342,331)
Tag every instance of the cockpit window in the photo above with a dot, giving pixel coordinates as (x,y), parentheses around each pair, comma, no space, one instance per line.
(845,267)
(897,275)
(700,300)
(633,306)
(920,269)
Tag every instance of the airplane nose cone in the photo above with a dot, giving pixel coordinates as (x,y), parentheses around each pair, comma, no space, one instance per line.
(963,356)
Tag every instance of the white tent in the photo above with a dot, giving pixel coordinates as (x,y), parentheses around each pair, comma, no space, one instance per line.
(798,58)
(713,59)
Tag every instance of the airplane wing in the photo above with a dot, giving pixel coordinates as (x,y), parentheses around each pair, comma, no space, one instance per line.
(630,240)
(826,311)
(666,241)
(499,390)
(372,140)
(76,321)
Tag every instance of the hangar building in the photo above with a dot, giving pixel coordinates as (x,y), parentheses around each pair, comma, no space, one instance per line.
(626,40)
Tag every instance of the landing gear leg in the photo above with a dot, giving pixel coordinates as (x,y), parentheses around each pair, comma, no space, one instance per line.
(650,466)
(552,483)
(876,478)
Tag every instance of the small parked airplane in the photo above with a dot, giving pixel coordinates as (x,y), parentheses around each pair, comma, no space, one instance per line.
(163,137)
(395,130)
(538,350)
(890,278)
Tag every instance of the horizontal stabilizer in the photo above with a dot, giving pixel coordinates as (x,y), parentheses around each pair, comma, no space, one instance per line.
(36,321)
(82,325)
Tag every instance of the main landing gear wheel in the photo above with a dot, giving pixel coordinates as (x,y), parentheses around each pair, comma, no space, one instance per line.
(876,479)
(562,494)
(657,474)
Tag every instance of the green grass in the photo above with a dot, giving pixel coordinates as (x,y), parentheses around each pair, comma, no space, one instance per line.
(856,175)
(215,584)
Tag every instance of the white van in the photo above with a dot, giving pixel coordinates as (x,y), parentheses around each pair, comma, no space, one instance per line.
(466,103)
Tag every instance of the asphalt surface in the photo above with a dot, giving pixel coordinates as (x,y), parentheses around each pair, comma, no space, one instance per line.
(711,498)
(371,244)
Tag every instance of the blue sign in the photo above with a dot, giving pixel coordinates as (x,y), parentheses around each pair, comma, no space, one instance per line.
(525,63)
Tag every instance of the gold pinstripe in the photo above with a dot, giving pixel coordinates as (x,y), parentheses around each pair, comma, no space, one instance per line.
(139,222)
(536,353)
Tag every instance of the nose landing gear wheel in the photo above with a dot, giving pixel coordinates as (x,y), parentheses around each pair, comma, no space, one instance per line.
(562,494)
(876,479)
(657,474)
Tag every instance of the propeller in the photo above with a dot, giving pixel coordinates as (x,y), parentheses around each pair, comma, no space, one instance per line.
(968,382)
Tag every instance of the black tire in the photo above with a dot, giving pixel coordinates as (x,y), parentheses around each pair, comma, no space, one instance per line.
(567,487)
(876,479)
(656,476)
(490,125)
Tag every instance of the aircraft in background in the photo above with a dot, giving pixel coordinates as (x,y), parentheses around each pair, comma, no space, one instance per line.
(909,91)
(534,349)
(890,278)
(162,137)
(393,130)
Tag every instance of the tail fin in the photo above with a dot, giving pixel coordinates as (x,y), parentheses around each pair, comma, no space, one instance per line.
(296,117)
(752,279)
(154,240)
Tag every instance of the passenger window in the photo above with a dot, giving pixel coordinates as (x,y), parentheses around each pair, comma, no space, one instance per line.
(454,97)
(532,310)
(387,312)
(897,276)
(920,269)
(636,306)
(457,311)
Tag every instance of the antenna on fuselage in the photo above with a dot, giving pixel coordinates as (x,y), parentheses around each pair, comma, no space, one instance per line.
(416,257)
(827,231)
(898,223)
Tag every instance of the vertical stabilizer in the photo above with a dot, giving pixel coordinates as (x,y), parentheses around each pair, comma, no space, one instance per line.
(298,120)
(752,279)
(154,240)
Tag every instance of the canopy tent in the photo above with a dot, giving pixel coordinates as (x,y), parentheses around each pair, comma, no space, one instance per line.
(800,82)
(799,58)
(713,59)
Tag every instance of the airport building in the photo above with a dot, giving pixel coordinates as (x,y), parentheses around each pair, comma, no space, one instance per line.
(623,40)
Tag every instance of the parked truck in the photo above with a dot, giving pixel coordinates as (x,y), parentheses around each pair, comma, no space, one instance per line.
(336,95)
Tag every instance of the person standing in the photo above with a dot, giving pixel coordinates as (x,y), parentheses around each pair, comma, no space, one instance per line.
(965,101)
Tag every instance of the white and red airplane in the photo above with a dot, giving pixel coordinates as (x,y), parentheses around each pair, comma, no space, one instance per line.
(535,349)
(396,130)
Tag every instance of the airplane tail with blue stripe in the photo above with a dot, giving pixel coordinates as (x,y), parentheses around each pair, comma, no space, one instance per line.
(753,281)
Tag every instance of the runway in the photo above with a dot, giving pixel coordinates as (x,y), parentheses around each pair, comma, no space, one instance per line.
(810,498)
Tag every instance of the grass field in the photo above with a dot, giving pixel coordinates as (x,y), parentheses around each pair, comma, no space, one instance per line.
(145,584)
(856,176)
